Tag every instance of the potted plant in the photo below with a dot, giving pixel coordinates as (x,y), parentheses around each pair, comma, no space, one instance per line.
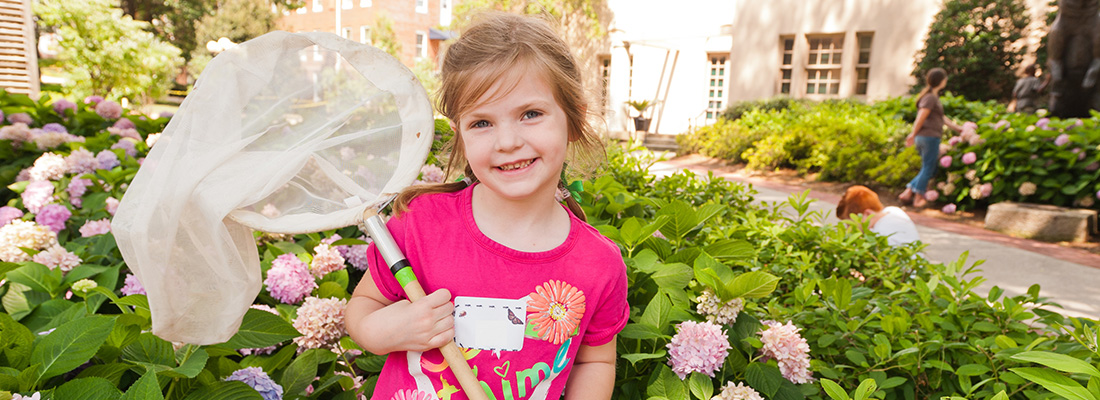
(641,123)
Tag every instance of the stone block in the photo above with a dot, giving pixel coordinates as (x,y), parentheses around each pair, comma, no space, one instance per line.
(1041,222)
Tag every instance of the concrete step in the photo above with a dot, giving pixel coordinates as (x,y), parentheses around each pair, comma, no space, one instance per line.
(660,142)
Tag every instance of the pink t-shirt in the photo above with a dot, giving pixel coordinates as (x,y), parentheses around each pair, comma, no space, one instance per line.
(521,316)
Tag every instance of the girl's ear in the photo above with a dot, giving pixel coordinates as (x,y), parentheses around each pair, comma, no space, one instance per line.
(453,127)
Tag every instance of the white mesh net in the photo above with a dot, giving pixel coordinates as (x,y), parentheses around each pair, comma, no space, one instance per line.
(285,133)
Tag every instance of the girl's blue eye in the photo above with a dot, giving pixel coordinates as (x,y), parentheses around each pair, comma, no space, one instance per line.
(531,114)
(480,124)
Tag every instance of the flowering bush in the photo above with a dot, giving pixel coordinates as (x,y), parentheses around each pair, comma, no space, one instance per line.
(705,267)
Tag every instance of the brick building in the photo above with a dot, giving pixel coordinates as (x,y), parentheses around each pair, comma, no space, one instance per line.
(417,24)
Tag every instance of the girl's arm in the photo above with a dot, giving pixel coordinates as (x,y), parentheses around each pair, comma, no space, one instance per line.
(951,124)
(381,326)
(922,115)
(593,374)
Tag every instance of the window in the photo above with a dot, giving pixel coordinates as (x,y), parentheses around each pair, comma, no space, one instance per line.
(863,65)
(422,6)
(364,3)
(605,78)
(364,34)
(302,10)
(421,45)
(317,6)
(345,33)
(785,68)
(346,4)
(717,88)
(823,65)
(445,12)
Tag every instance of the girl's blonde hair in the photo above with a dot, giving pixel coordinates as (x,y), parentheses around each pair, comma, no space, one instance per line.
(490,51)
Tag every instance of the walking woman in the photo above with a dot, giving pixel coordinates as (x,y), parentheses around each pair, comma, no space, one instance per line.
(927,131)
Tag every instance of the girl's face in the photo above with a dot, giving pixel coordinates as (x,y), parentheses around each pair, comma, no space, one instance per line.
(942,84)
(516,143)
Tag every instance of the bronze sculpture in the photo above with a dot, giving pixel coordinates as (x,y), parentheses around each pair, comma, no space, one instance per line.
(1073,46)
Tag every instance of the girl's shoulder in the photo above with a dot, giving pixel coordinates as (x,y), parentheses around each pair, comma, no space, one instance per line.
(433,205)
(590,238)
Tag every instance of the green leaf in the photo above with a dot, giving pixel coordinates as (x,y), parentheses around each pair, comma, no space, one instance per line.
(635,357)
(834,390)
(641,331)
(855,357)
(15,343)
(683,219)
(135,300)
(730,249)
(892,382)
(93,388)
(149,349)
(228,390)
(300,373)
(701,386)
(191,360)
(37,277)
(1057,383)
(112,372)
(262,329)
(764,378)
(146,387)
(71,345)
(656,312)
(754,284)
(865,389)
(1059,362)
(673,277)
(972,370)
(333,290)
(280,359)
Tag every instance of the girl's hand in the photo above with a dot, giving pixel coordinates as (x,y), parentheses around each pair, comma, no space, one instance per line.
(422,325)
(910,140)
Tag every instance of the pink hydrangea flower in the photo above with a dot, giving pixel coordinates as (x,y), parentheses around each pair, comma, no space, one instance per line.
(54,127)
(108,109)
(8,213)
(57,257)
(81,161)
(37,195)
(262,350)
(1002,124)
(63,105)
(783,343)
(93,99)
(17,133)
(945,161)
(321,322)
(931,195)
(20,118)
(325,260)
(948,209)
(126,133)
(107,159)
(112,205)
(124,123)
(969,158)
(1061,140)
(1098,194)
(954,140)
(53,216)
(698,347)
(332,239)
(48,167)
(76,190)
(431,174)
(132,286)
(987,189)
(127,145)
(97,227)
(289,280)
(1043,123)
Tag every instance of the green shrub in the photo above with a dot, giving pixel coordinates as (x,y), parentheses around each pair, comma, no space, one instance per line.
(736,110)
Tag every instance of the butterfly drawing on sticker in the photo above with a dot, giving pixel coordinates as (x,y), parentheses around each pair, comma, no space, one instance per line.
(512,317)
(462,314)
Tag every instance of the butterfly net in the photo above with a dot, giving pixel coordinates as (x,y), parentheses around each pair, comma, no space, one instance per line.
(285,133)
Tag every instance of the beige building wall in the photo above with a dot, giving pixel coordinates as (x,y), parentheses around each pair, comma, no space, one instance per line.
(897,29)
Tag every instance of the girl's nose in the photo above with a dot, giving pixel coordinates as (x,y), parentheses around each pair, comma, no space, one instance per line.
(508,138)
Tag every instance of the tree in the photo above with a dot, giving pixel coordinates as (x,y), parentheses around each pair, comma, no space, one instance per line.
(979,43)
(383,36)
(237,20)
(106,53)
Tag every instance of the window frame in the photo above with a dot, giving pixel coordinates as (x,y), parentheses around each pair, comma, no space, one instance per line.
(824,47)
(717,84)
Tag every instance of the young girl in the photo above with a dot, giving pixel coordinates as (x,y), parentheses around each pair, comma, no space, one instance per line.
(927,131)
(533,294)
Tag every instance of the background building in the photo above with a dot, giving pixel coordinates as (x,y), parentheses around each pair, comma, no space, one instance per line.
(416,23)
(722,52)
(18,55)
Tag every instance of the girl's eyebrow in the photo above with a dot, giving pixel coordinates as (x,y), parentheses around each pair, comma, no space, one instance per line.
(539,104)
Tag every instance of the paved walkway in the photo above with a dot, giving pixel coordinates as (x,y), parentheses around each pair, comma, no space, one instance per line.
(1067,276)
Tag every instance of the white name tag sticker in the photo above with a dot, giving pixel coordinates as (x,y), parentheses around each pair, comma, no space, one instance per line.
(490,324)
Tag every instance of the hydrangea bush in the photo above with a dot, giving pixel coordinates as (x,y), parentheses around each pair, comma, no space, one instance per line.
(729,300)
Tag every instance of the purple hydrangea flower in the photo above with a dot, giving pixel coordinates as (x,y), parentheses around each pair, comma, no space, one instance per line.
(132,286)
(1043,123)
(107,159)
(55,127)
(63,105)
(37,195)
(124,123)
(53,216)
(1061,140)
(127,145)
(257,379)
(76,190)
(1002,124)
(93,100)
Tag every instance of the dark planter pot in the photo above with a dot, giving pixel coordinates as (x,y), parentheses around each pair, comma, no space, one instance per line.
(641,124)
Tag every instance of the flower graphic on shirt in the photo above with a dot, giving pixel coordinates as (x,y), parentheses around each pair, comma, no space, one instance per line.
(412,394)
(558,308)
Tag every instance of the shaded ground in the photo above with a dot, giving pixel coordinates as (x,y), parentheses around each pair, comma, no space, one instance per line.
(888,196)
